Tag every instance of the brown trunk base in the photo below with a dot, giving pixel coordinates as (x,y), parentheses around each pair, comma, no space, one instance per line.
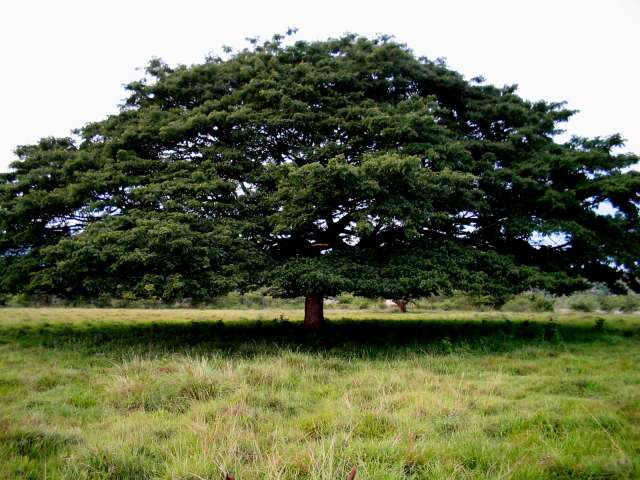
(402,305)
(313,311)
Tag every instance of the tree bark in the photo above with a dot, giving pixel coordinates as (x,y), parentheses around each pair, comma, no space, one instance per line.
(402,305)
(313,311)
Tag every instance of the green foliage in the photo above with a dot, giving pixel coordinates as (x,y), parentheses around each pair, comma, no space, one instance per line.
(530,302)
(318,167)
(349,300)
(624,303)
(584,302)
(19,300)
(457,301)
(594,300)
(255,300)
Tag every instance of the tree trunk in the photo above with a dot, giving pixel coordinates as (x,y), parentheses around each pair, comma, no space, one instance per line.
(402,305)
(313,311)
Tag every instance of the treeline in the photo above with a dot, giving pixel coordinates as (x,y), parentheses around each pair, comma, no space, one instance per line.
(532,301)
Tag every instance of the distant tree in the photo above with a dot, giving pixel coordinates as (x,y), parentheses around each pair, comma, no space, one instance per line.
(314,168)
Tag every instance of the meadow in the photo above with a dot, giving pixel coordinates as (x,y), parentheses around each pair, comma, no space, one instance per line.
(193,394)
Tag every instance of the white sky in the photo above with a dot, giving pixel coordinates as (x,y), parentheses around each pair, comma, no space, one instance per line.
(64,62)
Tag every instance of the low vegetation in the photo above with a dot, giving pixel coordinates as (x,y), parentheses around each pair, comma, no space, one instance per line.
(189,394)
(596,300)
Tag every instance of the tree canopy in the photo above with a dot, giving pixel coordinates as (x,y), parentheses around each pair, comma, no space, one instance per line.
(312,168)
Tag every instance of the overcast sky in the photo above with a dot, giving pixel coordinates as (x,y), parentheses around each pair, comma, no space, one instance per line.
(64,62)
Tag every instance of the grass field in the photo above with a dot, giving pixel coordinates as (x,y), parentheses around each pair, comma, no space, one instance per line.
(189,394)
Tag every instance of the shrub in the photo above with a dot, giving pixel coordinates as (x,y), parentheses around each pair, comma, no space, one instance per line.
(591,301)
(254,300)
(349,300)
(599,326)
(457,301)
(626,303)
(19,300)
(629,302)
(609,302)
(530,302)
(584,302)
(345,298)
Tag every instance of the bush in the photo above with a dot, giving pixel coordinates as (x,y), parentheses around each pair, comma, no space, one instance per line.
(584,302)
(19,300)
(609,303)
(349,300)
(457,301)
(530,302)
(256,299)
(345,298)
(625,303)
(592,301)
(629,303)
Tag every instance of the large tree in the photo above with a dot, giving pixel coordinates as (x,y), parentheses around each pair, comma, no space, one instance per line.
(318,167)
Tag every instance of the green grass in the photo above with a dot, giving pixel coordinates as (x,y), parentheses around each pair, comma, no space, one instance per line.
(188,394)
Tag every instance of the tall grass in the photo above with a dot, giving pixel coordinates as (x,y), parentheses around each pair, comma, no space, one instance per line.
(190,394)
